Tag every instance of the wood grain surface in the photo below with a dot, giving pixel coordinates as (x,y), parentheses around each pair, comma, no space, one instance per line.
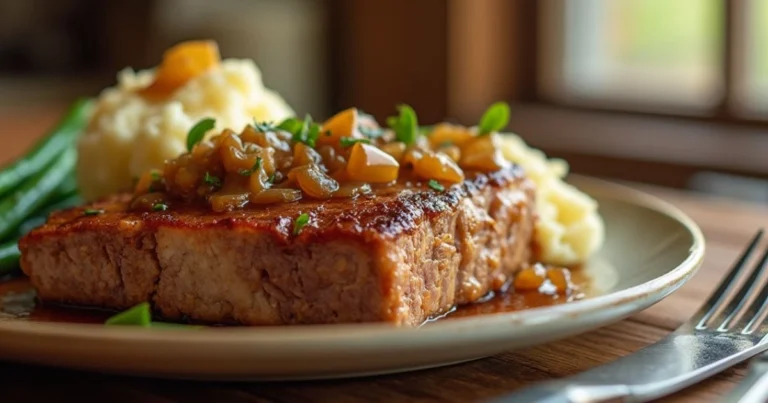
(727,226)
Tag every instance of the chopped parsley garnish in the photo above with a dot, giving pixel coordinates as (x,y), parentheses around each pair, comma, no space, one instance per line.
(156,185)
(291,125)
(91,211)
(494,119)
(436,185)
(300,222)
(256,166)
(263,127)
(309,133)
(370,132)
(159,207)
(141,315)
(302,131)
(211,180)
(272,177)
(197,132)
(350,141)
(405,125)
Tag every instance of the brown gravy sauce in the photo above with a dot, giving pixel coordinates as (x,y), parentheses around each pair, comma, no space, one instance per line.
(18,302)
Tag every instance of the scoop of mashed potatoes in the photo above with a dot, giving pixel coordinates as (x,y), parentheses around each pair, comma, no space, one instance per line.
(569,229)
(129,134)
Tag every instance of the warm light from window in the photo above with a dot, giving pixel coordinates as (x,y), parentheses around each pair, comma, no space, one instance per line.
(656,53)
(753,88)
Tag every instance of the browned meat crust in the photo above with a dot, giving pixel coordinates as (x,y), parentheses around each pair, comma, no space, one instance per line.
(403,256)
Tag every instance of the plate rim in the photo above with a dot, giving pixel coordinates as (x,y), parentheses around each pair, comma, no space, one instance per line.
(355,334)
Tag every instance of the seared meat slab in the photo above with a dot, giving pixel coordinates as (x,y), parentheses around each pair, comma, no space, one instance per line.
(403,256)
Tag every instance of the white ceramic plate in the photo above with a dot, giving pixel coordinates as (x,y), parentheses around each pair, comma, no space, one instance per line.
(651,249)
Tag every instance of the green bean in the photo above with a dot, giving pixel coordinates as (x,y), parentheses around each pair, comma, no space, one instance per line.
(47,149)
(41,215)
(66,189)
(9,257)
(34,192)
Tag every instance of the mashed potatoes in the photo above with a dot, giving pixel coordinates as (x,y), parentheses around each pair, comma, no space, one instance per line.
(569,228)
(128,134)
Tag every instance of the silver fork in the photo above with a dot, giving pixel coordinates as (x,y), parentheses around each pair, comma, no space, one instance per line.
(725,331)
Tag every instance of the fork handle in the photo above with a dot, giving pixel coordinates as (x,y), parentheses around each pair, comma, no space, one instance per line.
(754,387)
(562,392)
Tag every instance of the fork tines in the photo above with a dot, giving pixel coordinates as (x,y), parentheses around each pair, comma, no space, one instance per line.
(749,318)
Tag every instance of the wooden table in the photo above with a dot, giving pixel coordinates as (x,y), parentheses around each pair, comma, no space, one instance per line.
(727,226)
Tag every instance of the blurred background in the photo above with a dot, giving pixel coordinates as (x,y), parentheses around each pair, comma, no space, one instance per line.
(672,93)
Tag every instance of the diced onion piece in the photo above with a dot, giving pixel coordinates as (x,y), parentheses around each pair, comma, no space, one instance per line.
(342,124)
(305,155)
(332,159)
(446,133)
(530,278)
(412,156)
(315,182)
(148,182)
(451,151)
(227,202)
(271,196)
(396,149)
(368,163)
(352,189)
(438,167)
(182,63)
(258,181)
(236,160)
(560,278)
(483,154)
(265,139)
(148,201)
(187,178)
(203,150)
(267,155)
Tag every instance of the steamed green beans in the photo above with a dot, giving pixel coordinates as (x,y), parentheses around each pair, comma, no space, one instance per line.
(9,257)
(34,192)
(62,137)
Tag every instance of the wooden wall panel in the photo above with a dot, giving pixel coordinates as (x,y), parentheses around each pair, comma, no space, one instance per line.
(390,52)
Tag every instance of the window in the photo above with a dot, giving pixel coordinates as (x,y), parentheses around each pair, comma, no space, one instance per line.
(753,89)
(707,57)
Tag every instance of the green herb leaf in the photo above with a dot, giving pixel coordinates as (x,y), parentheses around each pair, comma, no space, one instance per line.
(139,315)
(495,118)
(90,211)
(406,125)
(197,132)
(256,166)
(350,141)
(291,125)
(300,222)
(304,131)
(156,175)
(211,180)
(264,127)
(436,185)
(159,207)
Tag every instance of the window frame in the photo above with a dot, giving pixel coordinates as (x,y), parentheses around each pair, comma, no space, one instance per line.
(551,86)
